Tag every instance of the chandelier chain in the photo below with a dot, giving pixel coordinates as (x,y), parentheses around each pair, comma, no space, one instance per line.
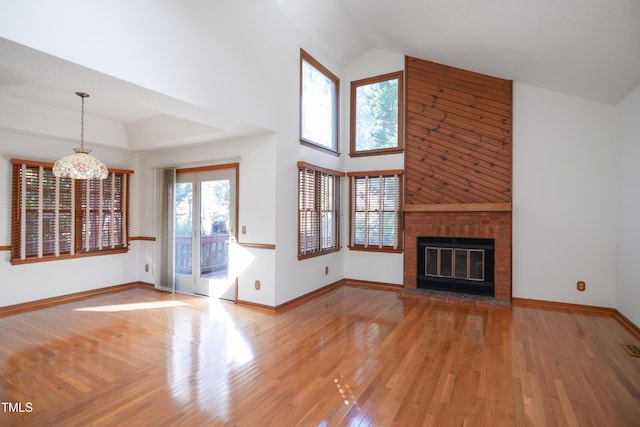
(80,165)
(82,123)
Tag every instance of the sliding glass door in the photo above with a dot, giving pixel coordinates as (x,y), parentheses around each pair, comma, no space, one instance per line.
(205,227)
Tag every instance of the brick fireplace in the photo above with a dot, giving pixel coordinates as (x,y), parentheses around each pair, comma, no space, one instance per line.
(486,225)
(458,160)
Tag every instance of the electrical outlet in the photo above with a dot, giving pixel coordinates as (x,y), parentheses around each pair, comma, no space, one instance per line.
(257,285)
(581,286)
(326,269)
(146,268)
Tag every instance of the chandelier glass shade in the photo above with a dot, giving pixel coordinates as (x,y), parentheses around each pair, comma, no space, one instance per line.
(81,164)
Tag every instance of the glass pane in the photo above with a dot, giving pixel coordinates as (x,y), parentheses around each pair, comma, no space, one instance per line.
(390,199)
(360,194)
(446,262)
(476,265)
(183,227)
(214,226)
(65,208)
(374,194)
(373,228)
(461,263)
(377,115)
(389,220)
(318,92)
(431,260)
(358,232)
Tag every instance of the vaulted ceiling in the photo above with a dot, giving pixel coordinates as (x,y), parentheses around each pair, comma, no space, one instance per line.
(586,48)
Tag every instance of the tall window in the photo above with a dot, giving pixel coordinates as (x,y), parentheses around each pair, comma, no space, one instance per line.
(55,218)
(375,210)
(318,210)
(376,115)
(319,90)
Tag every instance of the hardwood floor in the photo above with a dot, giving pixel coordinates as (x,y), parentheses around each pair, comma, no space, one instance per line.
(353,356)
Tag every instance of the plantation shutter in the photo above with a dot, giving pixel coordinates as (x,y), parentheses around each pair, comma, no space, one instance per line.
(318,210)
(375,209)
(103,214)
(308,221)
(329,202)
(60,217)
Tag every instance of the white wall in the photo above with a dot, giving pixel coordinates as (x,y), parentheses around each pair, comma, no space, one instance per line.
(244,62)
(299,277)
(365,265)
(296,278)
(564,213)
(256,156)
(628,207)
(29,282)
(220,55)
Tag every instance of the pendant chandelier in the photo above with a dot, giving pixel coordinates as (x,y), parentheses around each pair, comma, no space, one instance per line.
(80,165)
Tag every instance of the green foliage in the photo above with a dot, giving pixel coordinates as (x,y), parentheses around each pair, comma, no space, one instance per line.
(377,115)
(214,208)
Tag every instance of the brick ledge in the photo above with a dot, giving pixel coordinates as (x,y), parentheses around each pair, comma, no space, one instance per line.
(454,298)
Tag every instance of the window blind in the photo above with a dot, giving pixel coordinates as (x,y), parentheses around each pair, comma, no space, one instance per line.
(375,210)
(318,210)
(59,217)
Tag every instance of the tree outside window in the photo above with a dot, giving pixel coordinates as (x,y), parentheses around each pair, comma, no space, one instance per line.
(376,115)
(319,90)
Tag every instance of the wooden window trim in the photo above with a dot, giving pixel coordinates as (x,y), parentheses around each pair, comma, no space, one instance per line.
(353,152)
(335,150)
(107,215)
(320,169)
(398,248)
(316,222)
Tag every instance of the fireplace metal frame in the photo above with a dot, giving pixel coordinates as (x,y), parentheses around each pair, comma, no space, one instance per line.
(454,282)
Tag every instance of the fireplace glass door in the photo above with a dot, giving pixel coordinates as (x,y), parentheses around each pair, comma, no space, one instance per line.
(456,264)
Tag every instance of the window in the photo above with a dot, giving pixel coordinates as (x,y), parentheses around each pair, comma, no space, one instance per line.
(319,90)
(318,210)
(375,210)
(376,115)
(55,218)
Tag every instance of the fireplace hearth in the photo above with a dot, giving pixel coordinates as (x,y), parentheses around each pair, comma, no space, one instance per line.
(484,225)
(456,264)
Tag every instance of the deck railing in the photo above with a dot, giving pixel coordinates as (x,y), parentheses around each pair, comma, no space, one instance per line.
(214,253)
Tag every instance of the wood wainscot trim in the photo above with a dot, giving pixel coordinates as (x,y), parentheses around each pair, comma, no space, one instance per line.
(563,306)
(294,302)
(77,255)
(628,324)
(578,308)
(255,306)
(257,245)
(144,238)
(63,299)
(5,248)
(306,297)
(318,292)
(458,207)
(366,284)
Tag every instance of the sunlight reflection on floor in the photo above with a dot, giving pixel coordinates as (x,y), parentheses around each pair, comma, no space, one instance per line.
(134,306)
(193,357)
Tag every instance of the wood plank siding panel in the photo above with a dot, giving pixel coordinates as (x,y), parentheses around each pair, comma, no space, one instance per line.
(458,135)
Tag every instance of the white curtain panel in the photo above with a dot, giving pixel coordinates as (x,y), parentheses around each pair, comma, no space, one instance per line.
(165,279)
